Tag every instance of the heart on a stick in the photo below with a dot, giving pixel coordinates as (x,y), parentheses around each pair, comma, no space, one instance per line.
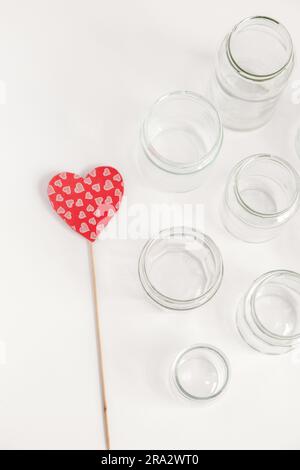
(87,204)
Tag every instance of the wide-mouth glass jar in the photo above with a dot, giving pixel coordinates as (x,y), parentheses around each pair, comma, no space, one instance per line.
(181,135)
(181,269)
(268,317)
(200,373)
(261,195)
(253,66)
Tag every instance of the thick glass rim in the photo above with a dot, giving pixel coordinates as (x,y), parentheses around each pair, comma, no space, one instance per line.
(201,347)
(177,167)
(173,303)
(252,294)
(246,73)
(279,161)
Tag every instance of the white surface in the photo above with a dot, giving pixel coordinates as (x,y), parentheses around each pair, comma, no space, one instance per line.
(79,77)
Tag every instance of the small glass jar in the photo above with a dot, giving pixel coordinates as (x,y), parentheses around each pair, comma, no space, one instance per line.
(200,373)
(181,135)
(261,195)
(253,66)
(181,269)
(268,317)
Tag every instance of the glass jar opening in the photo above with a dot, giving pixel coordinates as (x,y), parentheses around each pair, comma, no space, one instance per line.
(266,186)
(181,269)
(259,48)
(201,373)
(182,133)
(275,305)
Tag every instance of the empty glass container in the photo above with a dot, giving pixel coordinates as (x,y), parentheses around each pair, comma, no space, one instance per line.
(268,317)
(200,373)
(261,195)
(253,66)
(181,135)
(181,269)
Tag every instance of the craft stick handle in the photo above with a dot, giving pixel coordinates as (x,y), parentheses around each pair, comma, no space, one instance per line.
(99,347)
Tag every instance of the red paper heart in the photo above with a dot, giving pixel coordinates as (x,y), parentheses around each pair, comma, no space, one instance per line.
(87,204)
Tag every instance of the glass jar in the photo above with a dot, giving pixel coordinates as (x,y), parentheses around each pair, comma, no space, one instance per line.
(253,66)
(181,135)
(268,317)
(200,373)
(261,195)
(181,269)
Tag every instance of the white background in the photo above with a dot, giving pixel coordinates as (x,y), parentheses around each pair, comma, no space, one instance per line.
(79,77)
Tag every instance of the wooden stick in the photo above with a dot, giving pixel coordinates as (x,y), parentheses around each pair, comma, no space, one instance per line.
(99,348)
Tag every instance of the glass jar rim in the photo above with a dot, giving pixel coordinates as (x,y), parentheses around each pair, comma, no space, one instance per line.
(253,293)
(244,163)
(173,303)
(168,165)
(250,75)
(205,347)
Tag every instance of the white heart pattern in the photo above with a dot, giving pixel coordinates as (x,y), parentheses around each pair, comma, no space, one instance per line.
(117,178)
(96,187)
(108,200)
(106,172)
(50,190)
(108,185)
(79,188)
(84,228)
(70,203)
(67,190)
(68,215)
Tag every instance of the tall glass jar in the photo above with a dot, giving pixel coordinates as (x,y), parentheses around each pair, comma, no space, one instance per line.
(253,66)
